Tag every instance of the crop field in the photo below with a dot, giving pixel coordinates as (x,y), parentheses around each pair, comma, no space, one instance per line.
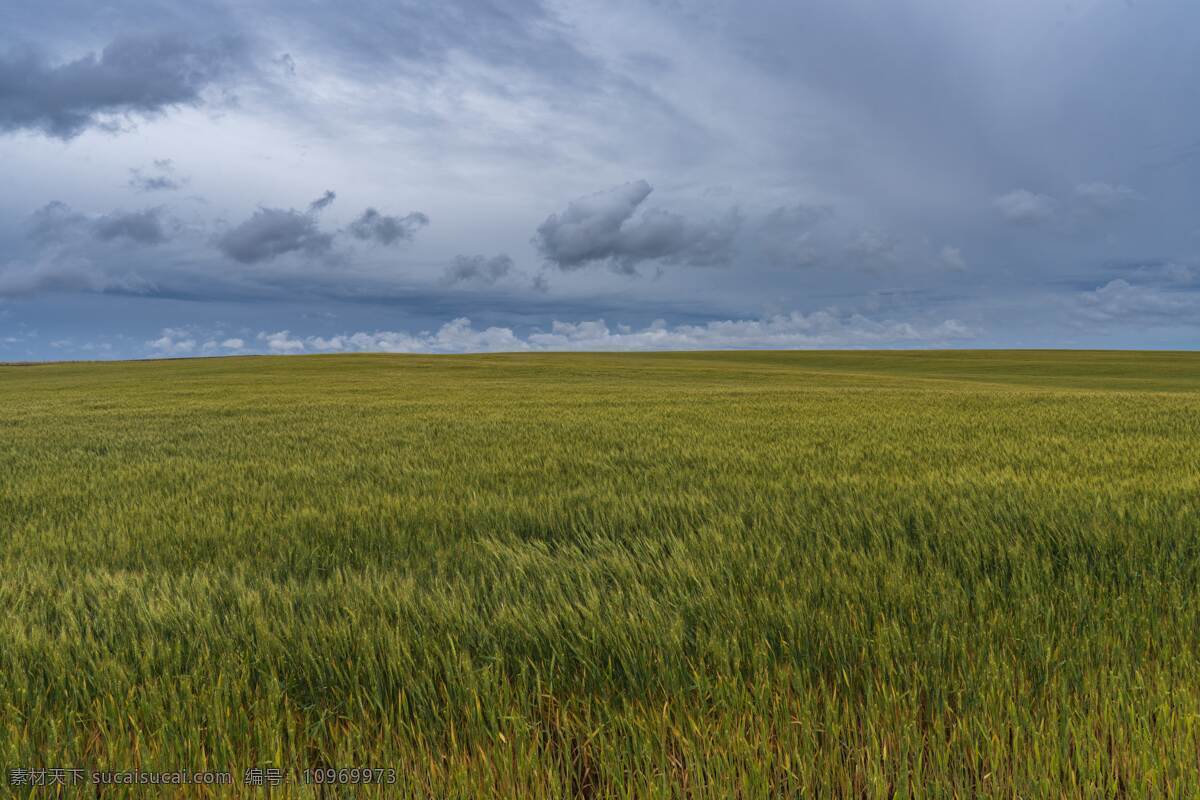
(691,575)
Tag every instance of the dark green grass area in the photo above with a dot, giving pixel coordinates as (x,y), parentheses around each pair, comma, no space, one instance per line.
(946,574)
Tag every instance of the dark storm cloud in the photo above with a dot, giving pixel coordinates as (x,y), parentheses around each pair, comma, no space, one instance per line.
(373,226)
(272,232)
(159,177)
(478,269)
(144,227)
(140,75)
(599,229)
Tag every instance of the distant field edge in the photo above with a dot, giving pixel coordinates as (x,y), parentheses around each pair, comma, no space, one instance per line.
(866,351)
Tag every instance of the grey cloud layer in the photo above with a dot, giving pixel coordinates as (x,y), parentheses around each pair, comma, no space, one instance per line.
(138,75)
(56,222)
(1017,158)
(152,253)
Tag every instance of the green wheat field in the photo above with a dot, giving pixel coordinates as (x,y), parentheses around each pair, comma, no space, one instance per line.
(692,575)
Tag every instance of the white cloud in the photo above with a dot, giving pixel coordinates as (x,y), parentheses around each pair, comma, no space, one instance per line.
(281,342)
(795,330)
(174,342)
(193,340)
(819,329)
(454,337)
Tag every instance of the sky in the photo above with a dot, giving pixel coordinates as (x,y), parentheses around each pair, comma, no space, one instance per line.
(259,176)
